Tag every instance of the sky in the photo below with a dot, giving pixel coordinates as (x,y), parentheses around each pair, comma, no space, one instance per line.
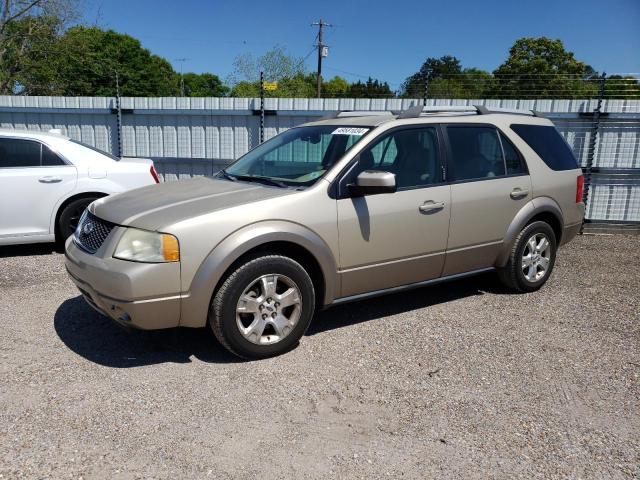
(387,40)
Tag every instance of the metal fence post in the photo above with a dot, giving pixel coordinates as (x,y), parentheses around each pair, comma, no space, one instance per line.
(261,106)
(118,117)
(592,145)
(425,92)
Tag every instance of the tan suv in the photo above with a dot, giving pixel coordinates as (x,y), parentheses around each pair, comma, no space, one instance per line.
(332,211)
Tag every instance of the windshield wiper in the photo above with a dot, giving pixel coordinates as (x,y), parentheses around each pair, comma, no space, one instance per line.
(265,180)
(228,176)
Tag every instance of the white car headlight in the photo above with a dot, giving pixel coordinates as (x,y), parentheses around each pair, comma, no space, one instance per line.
(151,247)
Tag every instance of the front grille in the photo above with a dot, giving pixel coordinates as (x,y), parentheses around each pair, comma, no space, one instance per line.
(92,232)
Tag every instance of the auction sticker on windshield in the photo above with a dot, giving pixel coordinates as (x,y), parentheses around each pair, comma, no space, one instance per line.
(349,131)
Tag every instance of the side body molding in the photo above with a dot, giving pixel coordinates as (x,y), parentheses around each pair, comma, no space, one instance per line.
(527,212)
(195,303)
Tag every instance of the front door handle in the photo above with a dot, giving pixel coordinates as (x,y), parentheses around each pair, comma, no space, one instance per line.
(431,206)
(517,193)
(50,179)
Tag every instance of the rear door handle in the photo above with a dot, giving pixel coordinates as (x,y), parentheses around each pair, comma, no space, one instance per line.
(517,193)
(431,206)
(49,179)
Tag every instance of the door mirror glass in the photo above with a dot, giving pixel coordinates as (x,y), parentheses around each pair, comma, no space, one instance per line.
(372,182)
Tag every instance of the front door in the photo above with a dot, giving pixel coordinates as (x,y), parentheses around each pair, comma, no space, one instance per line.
(32,181)
(395,239)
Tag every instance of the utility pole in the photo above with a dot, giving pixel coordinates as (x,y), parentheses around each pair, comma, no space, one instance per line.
(181,60)
(322,52)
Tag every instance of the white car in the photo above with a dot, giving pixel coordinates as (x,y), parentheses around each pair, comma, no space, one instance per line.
(47,180)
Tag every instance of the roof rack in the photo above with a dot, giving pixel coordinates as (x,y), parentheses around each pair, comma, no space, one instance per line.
(356,113)
(416,111)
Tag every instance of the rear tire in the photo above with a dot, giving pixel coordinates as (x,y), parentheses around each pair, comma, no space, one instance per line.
(68,219)
(263,308)
(531,259)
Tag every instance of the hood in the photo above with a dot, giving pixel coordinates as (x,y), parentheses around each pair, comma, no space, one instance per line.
(155,206)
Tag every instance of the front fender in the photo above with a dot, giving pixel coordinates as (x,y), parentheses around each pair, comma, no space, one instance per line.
(532,208)
(195,304)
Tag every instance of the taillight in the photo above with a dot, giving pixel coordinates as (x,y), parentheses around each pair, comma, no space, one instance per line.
(154,174)
(579,188)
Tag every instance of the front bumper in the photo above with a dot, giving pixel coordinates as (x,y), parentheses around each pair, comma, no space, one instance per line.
(139,295)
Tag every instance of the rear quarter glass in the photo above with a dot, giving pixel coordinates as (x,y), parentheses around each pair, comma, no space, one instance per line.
(548,144)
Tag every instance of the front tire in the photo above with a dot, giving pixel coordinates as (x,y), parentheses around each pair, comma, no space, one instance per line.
(531,259)
(263,308)
(69,218)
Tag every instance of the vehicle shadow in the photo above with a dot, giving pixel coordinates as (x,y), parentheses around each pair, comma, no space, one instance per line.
(29,249)
(102,341)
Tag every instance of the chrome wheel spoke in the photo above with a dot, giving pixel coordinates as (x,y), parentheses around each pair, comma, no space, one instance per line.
(543,245)
(544,263)
(268,285)
(526,261)
(248,304)
(288,298)
(532,244)
(281,325)
(531,273)
(256,328)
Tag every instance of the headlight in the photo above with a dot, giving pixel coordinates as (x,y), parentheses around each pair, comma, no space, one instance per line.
(143,246)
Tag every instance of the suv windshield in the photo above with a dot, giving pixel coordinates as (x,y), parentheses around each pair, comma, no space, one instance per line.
(297,157)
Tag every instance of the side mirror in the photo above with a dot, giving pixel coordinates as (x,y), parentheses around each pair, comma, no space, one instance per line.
(373,182)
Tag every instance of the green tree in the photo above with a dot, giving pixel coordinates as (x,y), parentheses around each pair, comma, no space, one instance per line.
(446,78)
(90,57)
(370,89)
(336,87)
(542,68)
(203,85)
(29,28)
(624,87)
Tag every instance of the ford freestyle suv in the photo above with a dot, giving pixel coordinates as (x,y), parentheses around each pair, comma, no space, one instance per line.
(335,210)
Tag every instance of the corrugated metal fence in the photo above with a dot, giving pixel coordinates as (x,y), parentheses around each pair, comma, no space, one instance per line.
(197,136)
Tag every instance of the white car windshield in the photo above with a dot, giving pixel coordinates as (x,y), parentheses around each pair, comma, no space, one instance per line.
(297,157)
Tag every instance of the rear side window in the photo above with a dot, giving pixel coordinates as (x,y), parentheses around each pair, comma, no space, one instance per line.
(50,159)
(16,153)
(475,153)
(548,144)
(512,159)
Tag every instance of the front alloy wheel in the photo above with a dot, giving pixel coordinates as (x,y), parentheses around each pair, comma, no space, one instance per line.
(269,309)
(263,307)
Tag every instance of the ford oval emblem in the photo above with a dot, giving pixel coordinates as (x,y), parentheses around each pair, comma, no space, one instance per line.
(87,228)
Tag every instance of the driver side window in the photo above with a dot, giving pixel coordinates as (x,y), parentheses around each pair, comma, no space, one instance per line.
(411,154)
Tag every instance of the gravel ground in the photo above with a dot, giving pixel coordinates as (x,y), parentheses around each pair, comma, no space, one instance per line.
(455,381)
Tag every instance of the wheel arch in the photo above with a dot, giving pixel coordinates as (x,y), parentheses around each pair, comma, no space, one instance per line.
(280,237)
(539,209)
(67,201)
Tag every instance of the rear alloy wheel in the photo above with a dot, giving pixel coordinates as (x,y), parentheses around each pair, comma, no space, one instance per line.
(263,308)
(532,258)
(70,216)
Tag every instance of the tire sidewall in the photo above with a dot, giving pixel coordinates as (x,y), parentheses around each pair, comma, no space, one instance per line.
(243,277)
(527,233)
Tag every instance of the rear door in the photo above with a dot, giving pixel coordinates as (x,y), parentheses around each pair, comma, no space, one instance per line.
(489,185)
(32,181)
